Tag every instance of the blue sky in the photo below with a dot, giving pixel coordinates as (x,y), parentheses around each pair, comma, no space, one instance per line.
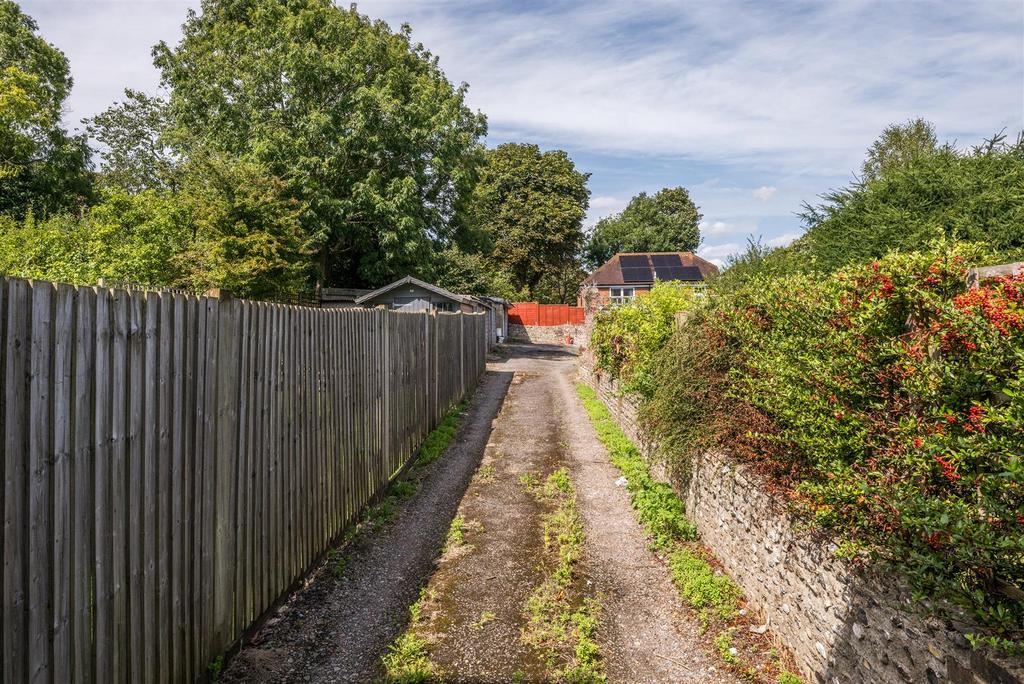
(755,106)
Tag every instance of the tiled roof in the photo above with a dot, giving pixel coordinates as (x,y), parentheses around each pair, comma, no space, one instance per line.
(611,272)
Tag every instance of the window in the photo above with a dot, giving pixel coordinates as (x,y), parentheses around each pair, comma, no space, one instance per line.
(621,295)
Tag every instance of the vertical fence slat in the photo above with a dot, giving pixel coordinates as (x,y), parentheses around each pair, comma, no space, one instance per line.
(39,508)
(136,493)
(103,608)
(83,565)
(63,375)
(119,486)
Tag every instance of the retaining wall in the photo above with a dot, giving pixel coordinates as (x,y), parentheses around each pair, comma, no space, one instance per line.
(842,624)
(545,334)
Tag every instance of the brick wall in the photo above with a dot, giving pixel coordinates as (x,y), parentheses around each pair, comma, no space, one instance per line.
(843,625)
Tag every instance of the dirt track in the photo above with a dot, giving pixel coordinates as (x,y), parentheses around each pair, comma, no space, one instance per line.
(336,630)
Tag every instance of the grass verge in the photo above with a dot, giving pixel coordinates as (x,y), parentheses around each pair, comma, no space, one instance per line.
(561,623)
(704,588)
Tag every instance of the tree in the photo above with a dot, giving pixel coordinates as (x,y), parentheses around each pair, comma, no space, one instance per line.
(42,168)
(247,235)
(470,273)
(359,122)
(531,204)
(975,195)
(229,226)
(666,222)
(899,147)
(132,135)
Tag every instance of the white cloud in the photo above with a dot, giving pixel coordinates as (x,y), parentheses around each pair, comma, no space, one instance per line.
(604,203)
(717,228)
(782,240)
(717,254)
(765,192)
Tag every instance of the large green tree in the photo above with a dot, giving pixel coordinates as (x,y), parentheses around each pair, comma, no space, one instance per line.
(359,123)
(975,195)
(532,205)
(43,169)
(668,221)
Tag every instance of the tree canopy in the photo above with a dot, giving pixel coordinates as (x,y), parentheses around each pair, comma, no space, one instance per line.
(42,168)
(975,195)
(666,222)
(359,123)
(531,205)
(899,147)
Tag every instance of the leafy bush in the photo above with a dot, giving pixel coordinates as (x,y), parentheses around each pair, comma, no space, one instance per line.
(626,338)
(890,397)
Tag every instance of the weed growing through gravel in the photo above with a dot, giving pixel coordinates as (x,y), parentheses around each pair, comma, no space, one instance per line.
(529,480)
(380,514)
(456,533)
(441,436)
(485,617)
(708,593)
(723,642)
(561,623)
(408,659)
(713,595)
(486,473)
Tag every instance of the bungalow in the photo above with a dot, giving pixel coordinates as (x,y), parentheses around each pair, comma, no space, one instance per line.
(630,274)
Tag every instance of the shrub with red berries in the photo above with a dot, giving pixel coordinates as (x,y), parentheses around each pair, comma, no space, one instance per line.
(897,395)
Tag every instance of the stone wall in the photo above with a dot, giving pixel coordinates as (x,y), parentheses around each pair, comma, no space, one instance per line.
(843,625)
(545,334)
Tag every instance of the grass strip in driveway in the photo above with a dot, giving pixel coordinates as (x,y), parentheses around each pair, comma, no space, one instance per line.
(561,620)
(703,587)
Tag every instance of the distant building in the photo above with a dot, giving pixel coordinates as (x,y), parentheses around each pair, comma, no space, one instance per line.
(412,294)
(631,274)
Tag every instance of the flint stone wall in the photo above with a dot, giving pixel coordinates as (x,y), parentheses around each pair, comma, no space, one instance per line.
(843,625)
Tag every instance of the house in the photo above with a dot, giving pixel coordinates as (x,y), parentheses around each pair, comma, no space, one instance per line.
(412,294)
(629,274)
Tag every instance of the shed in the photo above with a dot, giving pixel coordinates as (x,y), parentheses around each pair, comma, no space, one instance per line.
(412,294)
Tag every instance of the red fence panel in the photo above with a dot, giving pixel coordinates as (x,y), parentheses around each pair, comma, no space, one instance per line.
(532,313)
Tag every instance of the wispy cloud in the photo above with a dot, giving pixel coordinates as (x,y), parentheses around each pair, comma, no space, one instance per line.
(765,192)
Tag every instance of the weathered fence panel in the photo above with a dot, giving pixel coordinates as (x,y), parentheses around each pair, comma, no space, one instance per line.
(173,463)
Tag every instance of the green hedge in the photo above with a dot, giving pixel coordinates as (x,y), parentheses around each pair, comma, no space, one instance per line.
(889,402)
(626,338)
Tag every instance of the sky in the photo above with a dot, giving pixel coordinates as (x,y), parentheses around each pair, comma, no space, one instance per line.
(754,106)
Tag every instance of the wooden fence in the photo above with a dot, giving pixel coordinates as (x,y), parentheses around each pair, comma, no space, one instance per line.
(173,463)
(532,313)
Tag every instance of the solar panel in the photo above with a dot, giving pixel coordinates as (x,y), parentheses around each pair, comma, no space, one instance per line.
(666,260)
(636,275)
(635,261)
(682,273)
